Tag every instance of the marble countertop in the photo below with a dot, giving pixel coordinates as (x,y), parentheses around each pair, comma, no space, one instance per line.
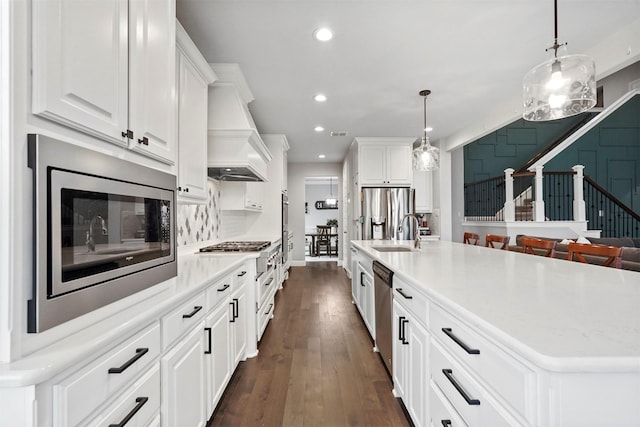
(561,315)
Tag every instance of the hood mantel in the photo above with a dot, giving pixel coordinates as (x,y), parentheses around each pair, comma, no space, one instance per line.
(236,151)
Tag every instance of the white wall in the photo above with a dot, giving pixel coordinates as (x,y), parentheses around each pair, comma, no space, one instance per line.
(296,190)
(319,192)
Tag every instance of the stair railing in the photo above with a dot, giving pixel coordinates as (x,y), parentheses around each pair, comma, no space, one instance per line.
(607,213)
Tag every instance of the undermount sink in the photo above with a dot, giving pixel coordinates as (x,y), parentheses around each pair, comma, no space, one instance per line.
(392,248)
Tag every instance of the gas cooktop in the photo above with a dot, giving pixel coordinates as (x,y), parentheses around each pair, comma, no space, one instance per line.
(237,246)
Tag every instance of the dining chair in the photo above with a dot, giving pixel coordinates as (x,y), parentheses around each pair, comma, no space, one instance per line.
(531,243)
(612,255)
(471,239)
(491,240)
(323,240)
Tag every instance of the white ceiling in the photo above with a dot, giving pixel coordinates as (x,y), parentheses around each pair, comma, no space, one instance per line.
(472,55)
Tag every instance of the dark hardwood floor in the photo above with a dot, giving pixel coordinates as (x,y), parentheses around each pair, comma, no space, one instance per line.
(316,365)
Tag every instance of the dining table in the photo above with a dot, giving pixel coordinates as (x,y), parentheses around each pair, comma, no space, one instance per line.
(313,251)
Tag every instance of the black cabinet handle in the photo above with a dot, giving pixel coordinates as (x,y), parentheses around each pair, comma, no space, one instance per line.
(269,282)
(179,188)
(242,274)
(224,288)
(362,278)
(404,332)
(446,423)
(186,189)
(401,292)
(127,134)
(209,338)
(139,353)
(401,332)
(196,309)
(140,401)
(233,312)
(236,308)
(449,374)
(458,341)
(269,309)
(144,140)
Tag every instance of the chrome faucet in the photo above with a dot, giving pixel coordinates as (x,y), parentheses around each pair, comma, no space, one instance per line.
(97,223)
(416,234)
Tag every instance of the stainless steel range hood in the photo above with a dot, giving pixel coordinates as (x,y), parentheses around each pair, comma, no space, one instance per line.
(235,150)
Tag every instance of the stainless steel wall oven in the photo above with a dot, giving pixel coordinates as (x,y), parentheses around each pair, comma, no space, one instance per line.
(103,227)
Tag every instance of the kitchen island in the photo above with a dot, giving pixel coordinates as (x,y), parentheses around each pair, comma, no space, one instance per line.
(561,339)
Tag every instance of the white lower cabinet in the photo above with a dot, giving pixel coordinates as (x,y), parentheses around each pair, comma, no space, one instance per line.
(410,370)
(238,325)
(183,382)
(104,378)
(218,355)
(138,406)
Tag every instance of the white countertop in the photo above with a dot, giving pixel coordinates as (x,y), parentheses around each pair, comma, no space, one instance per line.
(122,318)
(561,315)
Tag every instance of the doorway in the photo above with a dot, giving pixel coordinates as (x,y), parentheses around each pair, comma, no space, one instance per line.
(321,218)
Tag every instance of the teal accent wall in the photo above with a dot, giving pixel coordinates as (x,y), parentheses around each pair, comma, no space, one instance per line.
(610,154)
(610,151)
(511,147)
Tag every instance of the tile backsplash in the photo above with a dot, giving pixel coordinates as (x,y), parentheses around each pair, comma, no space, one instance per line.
(199,223)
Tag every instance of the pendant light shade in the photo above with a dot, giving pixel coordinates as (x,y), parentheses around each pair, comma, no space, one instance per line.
(560,87)
(426,157)
(330,200)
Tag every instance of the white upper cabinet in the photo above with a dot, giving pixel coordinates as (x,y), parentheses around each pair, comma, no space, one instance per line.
(423,184)
(384,161)
(194,77)
(108,69)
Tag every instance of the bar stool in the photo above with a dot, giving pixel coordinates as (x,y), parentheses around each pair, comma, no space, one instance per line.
(471,239)
(492,239)
(611,254)
(531,243)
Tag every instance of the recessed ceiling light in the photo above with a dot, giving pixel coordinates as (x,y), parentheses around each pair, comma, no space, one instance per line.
(321,156)
(320,98)
(318,128)
(428,129)
(323,34)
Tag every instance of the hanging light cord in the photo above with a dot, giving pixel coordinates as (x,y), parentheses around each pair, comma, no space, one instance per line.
(555,33)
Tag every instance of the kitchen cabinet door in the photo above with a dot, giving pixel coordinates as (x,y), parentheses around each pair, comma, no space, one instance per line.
(400,352)
(398,165)
(418,376)
(192,132)
(183,382)
(238,322)
(422,182)
(218,356)
(372,163)
(103,68)
(367,300)
(80,65)
(152,100)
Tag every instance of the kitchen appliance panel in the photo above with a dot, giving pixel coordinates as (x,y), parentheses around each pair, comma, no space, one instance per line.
(88,249)
(383,291)
(382,213)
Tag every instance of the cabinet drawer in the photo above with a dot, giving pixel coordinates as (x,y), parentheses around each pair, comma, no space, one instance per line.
(240,276)
(413,301)
(442,413)
(94,384)
(465,395)
(182,319)
(507,377)
(220,291)
(137,406)
(264,287)
(265,313)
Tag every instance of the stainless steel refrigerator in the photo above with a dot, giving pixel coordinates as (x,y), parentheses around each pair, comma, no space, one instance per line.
(383,210)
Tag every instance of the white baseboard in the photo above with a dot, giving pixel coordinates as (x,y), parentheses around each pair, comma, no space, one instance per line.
(298,263)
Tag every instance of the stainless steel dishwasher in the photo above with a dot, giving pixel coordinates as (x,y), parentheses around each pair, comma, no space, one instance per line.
(383,283)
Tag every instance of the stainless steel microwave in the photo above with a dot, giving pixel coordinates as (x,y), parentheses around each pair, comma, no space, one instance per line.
(103,227)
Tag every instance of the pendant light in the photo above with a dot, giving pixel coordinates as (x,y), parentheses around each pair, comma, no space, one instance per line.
(331,201)
(560,87)
(426,157)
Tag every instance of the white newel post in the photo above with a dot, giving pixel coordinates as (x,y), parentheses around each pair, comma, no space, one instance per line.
(509,205)
(579,207)
(538,213)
